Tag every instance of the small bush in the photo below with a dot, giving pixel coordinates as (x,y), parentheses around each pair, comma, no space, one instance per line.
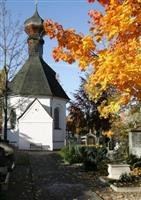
(93,156)
(137,164)
(125,178)
(90,156)
(132,159)
(71,154)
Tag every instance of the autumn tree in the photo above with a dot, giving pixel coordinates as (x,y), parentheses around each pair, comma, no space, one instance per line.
(77,116)
(131,115)
(129,118)
(12,53)
(118,62)
(84,115)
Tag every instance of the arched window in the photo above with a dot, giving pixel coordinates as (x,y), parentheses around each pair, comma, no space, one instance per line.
(57,118)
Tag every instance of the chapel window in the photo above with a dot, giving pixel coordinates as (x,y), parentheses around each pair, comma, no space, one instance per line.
(57,118)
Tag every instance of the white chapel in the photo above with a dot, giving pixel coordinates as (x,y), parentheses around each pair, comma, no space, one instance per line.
(37,100)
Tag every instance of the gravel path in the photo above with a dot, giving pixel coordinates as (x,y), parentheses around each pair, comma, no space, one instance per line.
(54,181)
(42,176)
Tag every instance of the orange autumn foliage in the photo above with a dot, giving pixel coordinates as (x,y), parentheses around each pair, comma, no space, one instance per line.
(118,63)
(71,46)
(103,2)
(109,134)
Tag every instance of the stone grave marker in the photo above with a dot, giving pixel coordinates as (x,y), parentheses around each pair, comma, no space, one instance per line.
(90,139)
(135,142)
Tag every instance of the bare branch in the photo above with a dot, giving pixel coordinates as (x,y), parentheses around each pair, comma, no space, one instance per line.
(12,42)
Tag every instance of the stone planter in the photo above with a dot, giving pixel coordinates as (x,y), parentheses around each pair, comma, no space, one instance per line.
(116,170)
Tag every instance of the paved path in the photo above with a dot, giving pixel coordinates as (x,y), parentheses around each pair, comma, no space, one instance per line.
(54,181)
(42,176)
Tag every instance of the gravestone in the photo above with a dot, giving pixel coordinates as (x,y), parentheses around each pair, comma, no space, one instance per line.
(110,149)
(135,142)
(111,144)
(90,139)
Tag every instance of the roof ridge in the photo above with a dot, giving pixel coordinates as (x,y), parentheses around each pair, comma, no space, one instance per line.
(45,78)
(27,107)
(53,73)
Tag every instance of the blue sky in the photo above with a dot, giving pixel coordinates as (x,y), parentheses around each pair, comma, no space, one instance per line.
(69,13)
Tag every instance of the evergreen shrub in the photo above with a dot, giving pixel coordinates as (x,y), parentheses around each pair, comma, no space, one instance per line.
(91,156)
(132,159)
(71,154)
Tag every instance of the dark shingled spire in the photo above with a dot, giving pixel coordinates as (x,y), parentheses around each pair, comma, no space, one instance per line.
(36,78)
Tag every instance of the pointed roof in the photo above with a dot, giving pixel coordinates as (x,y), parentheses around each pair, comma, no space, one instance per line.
(36,78)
